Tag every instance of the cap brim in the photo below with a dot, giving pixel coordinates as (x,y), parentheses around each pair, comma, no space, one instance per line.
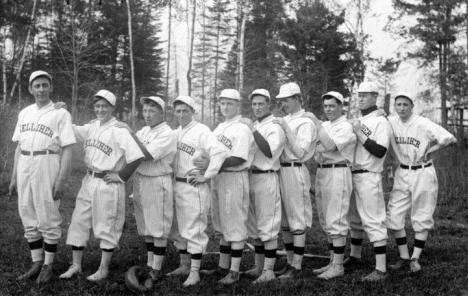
(98,98)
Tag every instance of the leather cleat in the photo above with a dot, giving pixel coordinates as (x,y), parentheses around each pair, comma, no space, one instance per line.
(193,279)
(231,278)
(292,273)
(218,271)
(46,274)
(266,276)
(99,275)
(414,265)
(352,262)
(283,270)
(400,264)
(33,272)
(72,271)
(254,272)
(156,275)
(322,269)
(180,271)
(375,276)
(334,271)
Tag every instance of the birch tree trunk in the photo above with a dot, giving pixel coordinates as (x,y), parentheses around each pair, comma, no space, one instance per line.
(132,68)
(241,47)
(189,71)
(169,55)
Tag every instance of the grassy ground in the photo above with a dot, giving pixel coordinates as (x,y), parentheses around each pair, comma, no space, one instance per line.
(444,261)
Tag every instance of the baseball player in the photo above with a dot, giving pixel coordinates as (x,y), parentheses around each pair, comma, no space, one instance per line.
(191,191)
(415,184)
(367,205)
(301,135)
(264,218)
(152,185)
(111,155)
(41,164)
(230,188)
(333,183)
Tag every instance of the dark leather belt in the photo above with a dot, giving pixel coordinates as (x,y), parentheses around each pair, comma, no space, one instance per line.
(183,180)
(41,152)
(332,165)
(359,171)
(291,164)
(97,174)
(415,167)
(253,171)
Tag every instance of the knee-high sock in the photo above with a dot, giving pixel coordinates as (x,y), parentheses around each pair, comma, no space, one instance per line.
(288,241)
(224,253)
(338,249)
(259,254)
(106,257)
(401,241)
(77,253)
(37,250)
(195,262)
(330,248)
(160,245)
(356,243)
(380,249)
(270,254)
(49,251)
(237,249)
(420,239)
(149,250)
(299,245)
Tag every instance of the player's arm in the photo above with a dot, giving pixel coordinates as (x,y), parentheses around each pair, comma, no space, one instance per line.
(370,145)
(298,146)
(261,142)
(327,142)
(442,137)
(13,183)
(232,162)
(65,164)
(142,147)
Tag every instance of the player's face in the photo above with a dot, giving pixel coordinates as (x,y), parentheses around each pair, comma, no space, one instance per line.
(290,104)
(41,89)
(260,106)
(404,108)
(229,108)
(103,110)
(183,114)
(332,109)
(366,100)
(152,114)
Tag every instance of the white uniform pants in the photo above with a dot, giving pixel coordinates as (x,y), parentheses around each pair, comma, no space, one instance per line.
(154,205)
(264,218)
(367,206)
(415,190)
(333,188)
(191,205)
(100,206)
(230,205)
(39,213)
(295,198)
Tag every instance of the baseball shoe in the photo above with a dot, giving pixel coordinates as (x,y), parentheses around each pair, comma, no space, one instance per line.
(335,270)
(193,279)
(218,271)
(32,272)
(375,276)
(322,269)
(352,262)
(72,270)
(45,275)
(254,272)
(283,270)
(414,265)
(292,273)
(231,278)
(400,264)
(156,275)
(99,275)
(182,270)
(266,276)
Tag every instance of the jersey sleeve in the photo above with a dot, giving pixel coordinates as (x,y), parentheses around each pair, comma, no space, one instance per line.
(437,133)
(16,134)
(81,131)
(65,130)
(242,143)
(276,139)
(382,134)
(344,136)
(215,150)
(128,144)
(305,136)
(162,146)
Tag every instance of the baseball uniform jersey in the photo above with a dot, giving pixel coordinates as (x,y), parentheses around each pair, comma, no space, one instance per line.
(153,182)
(46,129)
(333,182)
(415,184)
(264,217)
(100,205)
(367,206)
(230,188)
(191,203)
(294,176)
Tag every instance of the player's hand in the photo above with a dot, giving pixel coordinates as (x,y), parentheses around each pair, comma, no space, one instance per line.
(121,124)
(112,178)
(356,125)
(381,112)
(60,105)
(57,192)
(311,116)
(201,163)
(195,179)
(248,122)
(12,189)
(280,121)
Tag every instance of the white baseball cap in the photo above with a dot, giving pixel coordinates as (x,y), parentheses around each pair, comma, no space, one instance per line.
(367,87)
(106,95)
(288,90)
(155,99)
(261,92)
(230,93)
(334,94)
(404,94)
(37,74)
(186,100)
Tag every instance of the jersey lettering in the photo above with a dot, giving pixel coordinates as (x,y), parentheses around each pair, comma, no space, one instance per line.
(407,140)
(365,130)
(99,145)
(225,141)
(37,128)
(186,148)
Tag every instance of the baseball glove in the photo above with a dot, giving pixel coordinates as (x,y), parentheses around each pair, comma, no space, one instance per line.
(138,279)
